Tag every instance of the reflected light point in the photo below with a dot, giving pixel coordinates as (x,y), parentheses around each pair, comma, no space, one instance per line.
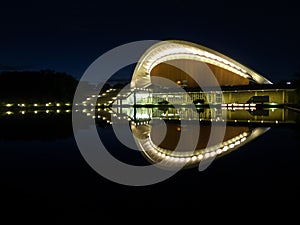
(206,155)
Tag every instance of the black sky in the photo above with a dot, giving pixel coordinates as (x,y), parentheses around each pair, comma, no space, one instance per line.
(67,36)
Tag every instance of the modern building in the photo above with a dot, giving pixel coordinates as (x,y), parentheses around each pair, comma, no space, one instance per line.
(203,75)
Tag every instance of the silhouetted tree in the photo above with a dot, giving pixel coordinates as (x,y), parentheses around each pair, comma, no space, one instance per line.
(44,85)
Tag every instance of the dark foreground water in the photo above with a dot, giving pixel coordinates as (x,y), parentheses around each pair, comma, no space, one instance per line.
(43,175)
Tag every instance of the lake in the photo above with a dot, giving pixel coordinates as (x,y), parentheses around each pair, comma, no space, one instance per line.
(43,171)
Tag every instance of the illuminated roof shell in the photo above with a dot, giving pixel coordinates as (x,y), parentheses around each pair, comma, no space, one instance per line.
(176,49)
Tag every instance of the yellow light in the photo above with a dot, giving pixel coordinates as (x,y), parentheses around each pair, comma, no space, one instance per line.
(9,105)
(35,112)
(23,112)
(178,128)
(243,139)
(178,82)
(47,111)
(194,158)
(69,104)
(57,104)
(9,113)
(237,143)
(212,154)
(23,105)
(58,111)
(68,110)
(206,155)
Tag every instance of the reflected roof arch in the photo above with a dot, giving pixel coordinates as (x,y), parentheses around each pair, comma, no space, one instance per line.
(177,49)
(169,159)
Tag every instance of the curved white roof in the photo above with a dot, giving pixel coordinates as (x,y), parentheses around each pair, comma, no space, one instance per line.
(175,49)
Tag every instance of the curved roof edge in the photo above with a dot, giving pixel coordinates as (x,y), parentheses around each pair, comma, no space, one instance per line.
(178,49)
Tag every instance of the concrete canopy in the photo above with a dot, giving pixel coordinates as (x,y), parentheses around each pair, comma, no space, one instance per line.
(176,49)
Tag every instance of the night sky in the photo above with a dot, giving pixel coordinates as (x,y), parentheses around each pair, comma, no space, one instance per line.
(68,36)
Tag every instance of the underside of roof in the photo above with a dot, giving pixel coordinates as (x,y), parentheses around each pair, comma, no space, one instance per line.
(176,49)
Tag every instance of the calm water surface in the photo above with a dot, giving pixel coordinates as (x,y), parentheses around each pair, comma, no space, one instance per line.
(42,170)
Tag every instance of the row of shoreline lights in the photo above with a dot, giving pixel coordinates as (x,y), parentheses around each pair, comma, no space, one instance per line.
(113,114)
(38,111)
(114,98)
(88,113)
(49,104)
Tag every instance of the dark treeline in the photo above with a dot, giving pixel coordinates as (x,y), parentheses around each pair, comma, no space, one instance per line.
(42,86)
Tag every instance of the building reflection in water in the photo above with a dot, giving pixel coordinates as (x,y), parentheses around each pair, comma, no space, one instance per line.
(158,149)
(158,134)
(157,130)
(148,124)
